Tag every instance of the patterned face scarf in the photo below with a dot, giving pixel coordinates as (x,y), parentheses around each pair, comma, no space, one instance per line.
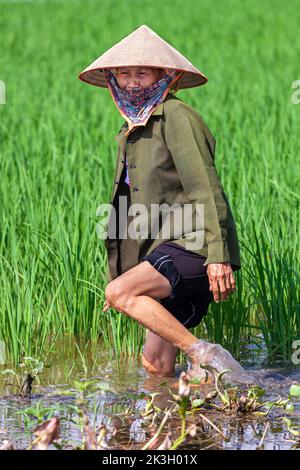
(137,105)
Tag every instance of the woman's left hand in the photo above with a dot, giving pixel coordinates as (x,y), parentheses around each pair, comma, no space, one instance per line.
(221,280)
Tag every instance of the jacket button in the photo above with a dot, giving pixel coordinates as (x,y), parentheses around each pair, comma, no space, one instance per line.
(135,189)
(130,141)
(117,182)
(122,161)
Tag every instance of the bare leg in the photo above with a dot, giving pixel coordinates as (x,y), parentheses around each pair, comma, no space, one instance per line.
(134,292)
(159,356)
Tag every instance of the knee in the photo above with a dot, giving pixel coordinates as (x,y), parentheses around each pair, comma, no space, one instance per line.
(117,295)
(158,366)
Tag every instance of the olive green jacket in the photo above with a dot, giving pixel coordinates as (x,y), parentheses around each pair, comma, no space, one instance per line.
(171,160)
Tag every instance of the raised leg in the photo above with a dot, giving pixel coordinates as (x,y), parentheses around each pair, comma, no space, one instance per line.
(134,293)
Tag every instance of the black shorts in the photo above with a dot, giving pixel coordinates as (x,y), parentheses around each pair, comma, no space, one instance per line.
(185,270)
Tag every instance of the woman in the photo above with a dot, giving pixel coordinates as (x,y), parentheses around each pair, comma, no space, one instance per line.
(165,156)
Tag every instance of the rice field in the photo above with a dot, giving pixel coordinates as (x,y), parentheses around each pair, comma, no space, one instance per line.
(57,156)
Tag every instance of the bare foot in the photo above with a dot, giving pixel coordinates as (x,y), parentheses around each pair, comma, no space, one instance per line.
(202,375)
(219,359)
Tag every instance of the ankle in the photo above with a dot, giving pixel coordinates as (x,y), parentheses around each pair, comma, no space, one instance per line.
(197,349)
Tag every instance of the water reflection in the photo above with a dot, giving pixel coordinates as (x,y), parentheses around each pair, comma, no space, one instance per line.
(125,391)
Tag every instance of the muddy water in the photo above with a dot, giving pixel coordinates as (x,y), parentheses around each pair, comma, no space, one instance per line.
(123,388)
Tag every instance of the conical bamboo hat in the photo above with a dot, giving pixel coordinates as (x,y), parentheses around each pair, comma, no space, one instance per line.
(143,47)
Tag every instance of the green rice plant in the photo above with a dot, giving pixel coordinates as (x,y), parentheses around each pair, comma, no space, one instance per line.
(226,322)
(275,284)
(57,158)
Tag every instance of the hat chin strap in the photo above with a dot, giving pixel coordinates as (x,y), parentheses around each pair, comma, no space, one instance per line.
(171,72)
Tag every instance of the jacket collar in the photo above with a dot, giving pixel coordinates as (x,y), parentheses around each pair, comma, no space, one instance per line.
(120,137)
(159,111)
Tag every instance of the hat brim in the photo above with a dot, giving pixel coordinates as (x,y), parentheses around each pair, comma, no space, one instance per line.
(97,77)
